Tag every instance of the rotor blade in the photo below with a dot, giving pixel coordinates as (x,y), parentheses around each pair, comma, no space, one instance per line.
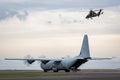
(98,10)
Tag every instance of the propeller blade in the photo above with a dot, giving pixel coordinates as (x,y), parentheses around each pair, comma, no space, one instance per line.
(29,61)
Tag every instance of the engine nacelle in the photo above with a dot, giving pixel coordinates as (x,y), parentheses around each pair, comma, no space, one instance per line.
(30,61)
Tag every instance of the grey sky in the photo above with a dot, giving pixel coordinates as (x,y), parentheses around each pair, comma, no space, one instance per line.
(58,3)
(13,6)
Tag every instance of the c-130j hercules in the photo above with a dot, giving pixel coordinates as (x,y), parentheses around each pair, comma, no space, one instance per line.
(65,64)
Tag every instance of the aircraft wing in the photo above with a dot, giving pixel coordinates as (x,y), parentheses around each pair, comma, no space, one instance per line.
(39,59)
(101,58)
(77,57)
(31,60)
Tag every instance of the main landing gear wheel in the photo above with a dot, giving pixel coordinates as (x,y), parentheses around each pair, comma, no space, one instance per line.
(67,70)
(45,70)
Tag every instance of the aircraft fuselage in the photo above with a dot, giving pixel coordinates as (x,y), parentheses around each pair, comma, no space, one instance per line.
(65,64)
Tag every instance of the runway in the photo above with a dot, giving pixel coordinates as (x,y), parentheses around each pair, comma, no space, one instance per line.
(81,75)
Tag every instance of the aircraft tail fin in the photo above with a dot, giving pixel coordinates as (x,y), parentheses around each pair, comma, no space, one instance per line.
(85,53)
(100,12)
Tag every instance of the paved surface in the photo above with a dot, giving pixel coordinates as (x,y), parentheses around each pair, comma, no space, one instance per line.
(81,75)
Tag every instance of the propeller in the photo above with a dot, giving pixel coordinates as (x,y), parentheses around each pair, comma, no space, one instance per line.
(29,60)
(42,56)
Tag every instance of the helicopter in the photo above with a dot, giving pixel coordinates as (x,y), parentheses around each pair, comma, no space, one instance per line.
(94,13)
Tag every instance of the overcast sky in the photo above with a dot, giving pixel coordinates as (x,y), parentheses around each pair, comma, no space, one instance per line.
(55,28)
(60,3)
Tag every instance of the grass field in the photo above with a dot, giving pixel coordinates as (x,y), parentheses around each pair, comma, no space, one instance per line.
(28,75)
